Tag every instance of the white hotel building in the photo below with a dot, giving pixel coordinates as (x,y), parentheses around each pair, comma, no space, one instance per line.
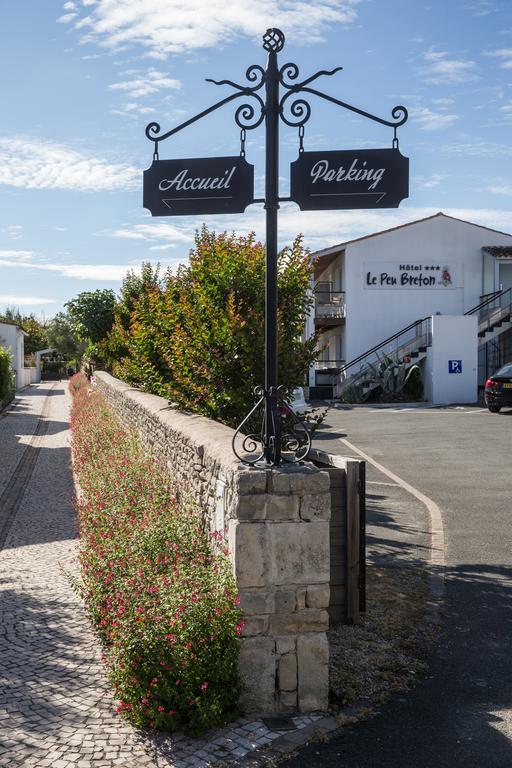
(372,292)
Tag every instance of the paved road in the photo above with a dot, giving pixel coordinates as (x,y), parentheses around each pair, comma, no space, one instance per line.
(461,715)
(55,705)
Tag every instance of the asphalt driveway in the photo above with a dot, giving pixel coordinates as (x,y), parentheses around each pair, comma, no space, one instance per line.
(461,714)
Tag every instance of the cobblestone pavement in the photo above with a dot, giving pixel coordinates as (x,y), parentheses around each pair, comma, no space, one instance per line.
(55,706)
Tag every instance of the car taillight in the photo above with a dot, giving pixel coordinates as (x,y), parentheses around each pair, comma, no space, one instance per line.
(489,384)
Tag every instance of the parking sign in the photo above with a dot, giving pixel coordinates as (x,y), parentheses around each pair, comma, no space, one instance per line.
(454,366)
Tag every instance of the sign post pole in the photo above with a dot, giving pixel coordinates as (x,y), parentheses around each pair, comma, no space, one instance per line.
(272,420)
(319,181)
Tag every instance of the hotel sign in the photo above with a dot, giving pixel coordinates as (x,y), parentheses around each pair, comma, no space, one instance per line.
(399,275)
(365,178)
(198,186)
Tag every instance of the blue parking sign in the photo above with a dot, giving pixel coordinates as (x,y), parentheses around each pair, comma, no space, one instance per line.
(454,366)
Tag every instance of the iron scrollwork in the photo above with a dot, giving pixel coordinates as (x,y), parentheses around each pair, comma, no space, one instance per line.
(295,438)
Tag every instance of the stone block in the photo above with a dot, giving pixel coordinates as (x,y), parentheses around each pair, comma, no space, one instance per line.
(255,625)
(285,645)
(253,603)
(257,669)
(309,620)
(285,601)
(318,596)
(299,552)
(283,507)
(287,672)
(315,506)
(298,479)
(248,543)
(288,701)
(251,481)
(301,598)
(251,507)
(313,672)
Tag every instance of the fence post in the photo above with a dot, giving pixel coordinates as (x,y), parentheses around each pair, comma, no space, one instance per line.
(353,541)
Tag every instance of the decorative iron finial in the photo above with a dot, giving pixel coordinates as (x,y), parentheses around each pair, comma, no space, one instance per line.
(273,40)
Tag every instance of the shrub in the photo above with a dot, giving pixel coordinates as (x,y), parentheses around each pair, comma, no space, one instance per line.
(158,589)
(7,385)
(197,336)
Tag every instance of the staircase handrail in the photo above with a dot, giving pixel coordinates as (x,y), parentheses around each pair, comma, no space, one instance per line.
(382,344)
(488,299)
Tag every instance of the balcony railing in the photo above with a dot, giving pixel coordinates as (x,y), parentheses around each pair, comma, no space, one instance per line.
(330,304)
(328,365)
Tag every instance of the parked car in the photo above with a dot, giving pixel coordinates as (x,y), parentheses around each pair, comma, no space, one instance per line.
(498,389)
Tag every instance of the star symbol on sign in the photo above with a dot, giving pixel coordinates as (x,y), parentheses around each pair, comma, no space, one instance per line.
(438,268)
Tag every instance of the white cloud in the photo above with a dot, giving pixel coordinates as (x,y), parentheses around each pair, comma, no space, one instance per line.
(144,84)
(132,108)
(480,8)
(40,164)
(159,230)
(500,189)
(479,148)
(505,56)
(442,69)
(66,18)
(23,301)
(432,181)
(443,103)
(95,272)
(20,255)
(321,228)
(14,231)
(427,120)
(177,26)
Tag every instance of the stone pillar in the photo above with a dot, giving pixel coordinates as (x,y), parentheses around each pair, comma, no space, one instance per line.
(278,532)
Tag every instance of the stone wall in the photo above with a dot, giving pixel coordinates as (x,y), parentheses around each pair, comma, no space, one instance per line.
(276,522)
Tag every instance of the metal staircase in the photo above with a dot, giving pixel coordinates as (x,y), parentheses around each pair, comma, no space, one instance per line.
(410,344)
(494,315)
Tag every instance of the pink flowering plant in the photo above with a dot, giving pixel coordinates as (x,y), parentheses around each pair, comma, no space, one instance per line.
(158,588)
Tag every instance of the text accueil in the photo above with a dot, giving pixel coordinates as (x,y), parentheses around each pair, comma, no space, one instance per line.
(321,171)
(182,181)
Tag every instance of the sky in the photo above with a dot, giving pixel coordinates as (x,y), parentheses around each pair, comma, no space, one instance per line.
(81,79)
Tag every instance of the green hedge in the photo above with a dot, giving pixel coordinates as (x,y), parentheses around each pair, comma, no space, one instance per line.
(158,589)
(7,380)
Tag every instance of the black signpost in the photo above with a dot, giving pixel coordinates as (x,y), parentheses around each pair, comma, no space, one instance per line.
(319,181)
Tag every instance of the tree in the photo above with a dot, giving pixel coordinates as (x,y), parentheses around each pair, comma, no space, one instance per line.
(91,314)
(62,338)
(116,345)
(197,336)
(35,329)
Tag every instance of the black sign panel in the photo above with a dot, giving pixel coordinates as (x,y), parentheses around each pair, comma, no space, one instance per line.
(366,178)
(198,186)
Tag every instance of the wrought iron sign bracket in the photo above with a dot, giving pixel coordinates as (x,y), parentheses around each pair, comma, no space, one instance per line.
(227,185)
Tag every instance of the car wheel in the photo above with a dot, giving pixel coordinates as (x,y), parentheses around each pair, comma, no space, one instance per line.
(494,408)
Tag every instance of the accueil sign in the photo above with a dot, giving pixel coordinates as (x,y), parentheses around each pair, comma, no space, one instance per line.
(403,275)
(199,185)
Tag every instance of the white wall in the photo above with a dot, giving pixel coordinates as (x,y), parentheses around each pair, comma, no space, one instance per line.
(376,313)
(455,339)
(12,338)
